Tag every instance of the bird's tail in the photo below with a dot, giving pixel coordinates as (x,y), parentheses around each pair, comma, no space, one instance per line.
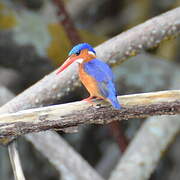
(115,103)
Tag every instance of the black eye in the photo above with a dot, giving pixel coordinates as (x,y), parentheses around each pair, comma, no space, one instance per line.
(77,53)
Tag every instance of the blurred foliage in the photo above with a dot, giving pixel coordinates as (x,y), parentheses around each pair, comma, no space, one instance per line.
(50,38)
(7,19)
(47,35)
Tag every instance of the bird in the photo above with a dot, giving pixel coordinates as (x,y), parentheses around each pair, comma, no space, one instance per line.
(95,75)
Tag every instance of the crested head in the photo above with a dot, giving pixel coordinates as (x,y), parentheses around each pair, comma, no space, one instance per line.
(79,47)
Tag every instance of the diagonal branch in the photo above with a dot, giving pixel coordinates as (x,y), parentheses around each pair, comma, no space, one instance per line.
(142,37)
(74,114)
(147,147)
(62,156)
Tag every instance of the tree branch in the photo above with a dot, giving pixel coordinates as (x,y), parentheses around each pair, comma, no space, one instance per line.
(142,37)
(74,114)
(52,146)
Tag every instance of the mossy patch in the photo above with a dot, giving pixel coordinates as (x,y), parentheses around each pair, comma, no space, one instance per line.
(59,45)
(7,17)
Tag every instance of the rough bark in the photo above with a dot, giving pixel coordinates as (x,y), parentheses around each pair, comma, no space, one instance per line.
(67,116)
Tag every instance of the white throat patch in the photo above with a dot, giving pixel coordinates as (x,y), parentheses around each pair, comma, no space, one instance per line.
(80,60)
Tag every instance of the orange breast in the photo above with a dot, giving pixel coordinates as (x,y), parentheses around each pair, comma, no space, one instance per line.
(89,82)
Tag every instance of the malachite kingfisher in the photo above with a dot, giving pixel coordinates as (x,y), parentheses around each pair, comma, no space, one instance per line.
(95,74)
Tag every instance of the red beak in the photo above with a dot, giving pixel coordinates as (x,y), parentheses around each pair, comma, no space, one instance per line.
(68,62)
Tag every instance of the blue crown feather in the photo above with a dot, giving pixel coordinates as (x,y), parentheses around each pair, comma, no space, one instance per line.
(76,49)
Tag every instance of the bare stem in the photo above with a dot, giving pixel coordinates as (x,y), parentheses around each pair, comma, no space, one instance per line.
(15,161)
(68,24)
(117,132)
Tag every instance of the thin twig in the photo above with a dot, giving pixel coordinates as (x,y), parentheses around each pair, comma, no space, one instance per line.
(68,24)
(74,114)
(5,96)
(118,134)
(15,161)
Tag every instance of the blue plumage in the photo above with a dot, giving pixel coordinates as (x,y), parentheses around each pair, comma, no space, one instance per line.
(76,49)
(102,73)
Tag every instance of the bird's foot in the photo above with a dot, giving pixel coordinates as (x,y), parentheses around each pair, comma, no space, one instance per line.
(88,99)
(93,100)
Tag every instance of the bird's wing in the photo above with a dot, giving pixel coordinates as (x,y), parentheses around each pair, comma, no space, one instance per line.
(103,75)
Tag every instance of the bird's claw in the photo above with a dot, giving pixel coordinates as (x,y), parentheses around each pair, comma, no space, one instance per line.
(88,99)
